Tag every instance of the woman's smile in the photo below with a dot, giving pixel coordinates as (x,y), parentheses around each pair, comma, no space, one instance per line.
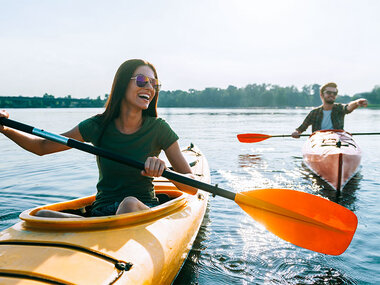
(144,96)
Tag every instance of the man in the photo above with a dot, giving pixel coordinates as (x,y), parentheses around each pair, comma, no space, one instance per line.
(329,115)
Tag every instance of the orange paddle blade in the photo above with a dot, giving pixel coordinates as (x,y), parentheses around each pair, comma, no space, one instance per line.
(252,138)
(303,219)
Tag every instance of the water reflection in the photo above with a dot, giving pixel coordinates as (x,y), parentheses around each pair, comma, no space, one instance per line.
(247,160)
(346,197)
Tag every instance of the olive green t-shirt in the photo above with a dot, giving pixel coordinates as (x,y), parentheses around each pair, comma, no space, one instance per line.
(116,180)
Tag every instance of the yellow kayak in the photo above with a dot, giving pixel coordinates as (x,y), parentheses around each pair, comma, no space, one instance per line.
(146,247)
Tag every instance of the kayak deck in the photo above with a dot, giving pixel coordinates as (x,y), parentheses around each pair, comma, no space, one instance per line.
(146,247)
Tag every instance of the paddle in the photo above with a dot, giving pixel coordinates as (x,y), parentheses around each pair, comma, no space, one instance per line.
(303,219)
(254,138)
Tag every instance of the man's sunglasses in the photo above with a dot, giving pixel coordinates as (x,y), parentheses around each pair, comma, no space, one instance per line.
(331,93)
(142,80)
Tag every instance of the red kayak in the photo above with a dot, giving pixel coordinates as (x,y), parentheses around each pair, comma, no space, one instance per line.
(333,155)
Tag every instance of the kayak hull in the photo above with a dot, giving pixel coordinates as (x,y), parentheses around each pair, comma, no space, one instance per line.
(332,155)
(146,247)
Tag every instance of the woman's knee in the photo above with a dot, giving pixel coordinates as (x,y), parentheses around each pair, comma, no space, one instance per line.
(130,204)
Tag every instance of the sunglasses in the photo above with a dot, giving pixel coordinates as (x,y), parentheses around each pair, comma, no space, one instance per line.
(142,81)
(331,93)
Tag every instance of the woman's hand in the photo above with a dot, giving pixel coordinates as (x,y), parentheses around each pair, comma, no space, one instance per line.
(4,114)
(154,167)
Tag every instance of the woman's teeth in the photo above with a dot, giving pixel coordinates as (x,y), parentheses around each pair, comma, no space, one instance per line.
(144,96)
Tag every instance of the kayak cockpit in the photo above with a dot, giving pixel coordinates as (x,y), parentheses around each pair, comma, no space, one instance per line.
(85,210)
(172,200)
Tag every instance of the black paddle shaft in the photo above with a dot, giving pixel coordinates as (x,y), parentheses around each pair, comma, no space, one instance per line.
(115,157)
(307,135)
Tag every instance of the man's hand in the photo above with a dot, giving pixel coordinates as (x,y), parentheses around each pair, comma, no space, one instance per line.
(361,102)
(296,134)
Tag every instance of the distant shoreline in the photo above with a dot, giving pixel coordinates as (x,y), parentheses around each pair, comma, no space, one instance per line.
(251,96)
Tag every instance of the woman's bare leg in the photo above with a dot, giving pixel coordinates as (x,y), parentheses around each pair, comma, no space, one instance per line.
(55,214)
(131,204)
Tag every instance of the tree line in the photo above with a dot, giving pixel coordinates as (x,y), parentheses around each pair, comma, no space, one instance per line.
(257,95)
(252,95)
(49,101)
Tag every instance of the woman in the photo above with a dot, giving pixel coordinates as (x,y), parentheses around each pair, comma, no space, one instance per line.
(129,125)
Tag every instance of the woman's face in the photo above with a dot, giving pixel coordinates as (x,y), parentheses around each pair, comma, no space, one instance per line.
(140,97)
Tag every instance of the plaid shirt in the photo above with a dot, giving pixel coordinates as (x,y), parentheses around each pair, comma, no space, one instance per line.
(314,118)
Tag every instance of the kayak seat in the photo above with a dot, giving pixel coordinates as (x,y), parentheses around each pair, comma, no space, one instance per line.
(165,193)
(163,198)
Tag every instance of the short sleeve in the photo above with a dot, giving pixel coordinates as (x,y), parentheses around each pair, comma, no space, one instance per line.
(167,135)
(90,129)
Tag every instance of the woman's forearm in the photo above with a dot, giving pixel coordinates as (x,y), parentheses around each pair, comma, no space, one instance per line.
(33,144)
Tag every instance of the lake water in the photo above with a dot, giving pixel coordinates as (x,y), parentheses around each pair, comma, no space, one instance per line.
(231,247)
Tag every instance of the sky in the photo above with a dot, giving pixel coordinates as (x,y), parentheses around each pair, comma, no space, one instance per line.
(74,47)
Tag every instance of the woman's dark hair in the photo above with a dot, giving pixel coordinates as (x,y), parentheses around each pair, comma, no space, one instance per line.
(119,87)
